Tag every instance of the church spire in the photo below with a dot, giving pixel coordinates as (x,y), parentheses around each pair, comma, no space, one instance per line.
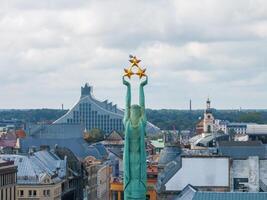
(208,104)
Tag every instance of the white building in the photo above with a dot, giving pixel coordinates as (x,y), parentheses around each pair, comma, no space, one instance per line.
(249,175)
(207,173)
(256,129)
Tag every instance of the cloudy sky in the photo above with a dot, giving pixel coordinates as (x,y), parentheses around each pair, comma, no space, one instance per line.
(191,49)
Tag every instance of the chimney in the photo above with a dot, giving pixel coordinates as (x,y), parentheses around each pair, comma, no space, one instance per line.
(190,105)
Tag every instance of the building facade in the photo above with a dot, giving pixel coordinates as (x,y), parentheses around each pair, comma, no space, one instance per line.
(40,175)
(98,179)
(103,182)
(93,113)
(208,123)
(75,174)
(8,176)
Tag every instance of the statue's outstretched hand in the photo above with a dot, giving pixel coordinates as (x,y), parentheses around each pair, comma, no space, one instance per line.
(143,83)
(125,82)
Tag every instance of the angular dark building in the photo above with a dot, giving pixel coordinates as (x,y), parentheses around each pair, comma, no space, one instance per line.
(93,113)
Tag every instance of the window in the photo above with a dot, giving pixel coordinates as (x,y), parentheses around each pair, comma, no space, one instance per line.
(240,184)
(46,193)
(21,193)
(34,193)
(30,193)
(209,129)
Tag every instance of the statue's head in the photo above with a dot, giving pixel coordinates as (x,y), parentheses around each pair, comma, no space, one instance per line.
(135,114)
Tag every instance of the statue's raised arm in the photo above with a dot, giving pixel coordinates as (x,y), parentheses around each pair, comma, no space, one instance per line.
(134,153)
(142,97)
(128,100)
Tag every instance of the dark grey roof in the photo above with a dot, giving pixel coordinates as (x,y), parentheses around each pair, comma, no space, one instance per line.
(234,124)
(33,168)
(170,169)
(240,143)
(117,152)
(190,193)
(170,160)
(73,162)
(77,145)
(187,193)
(168,154)
(61,131)
(101,150)
(63,135)
(230,196)
(242,150)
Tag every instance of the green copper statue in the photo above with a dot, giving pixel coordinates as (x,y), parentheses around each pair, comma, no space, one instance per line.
(134,157)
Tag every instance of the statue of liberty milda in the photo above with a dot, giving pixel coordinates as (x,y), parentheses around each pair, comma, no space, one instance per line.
(134,156)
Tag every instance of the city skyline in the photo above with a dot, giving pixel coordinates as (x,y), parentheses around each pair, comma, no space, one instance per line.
(192,50)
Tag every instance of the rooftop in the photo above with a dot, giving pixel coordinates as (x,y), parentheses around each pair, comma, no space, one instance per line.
(168,154)
(229,196)
(159,143)
(4,163)
(242,149)
(8,140)
(239,143)
(33,169)
(190,193)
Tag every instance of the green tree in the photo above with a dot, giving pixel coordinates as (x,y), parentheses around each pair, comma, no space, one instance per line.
(252,117)
(94,135)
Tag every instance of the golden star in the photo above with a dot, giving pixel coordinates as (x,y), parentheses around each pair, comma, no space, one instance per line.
(128,73)
(141,72)
(134,61)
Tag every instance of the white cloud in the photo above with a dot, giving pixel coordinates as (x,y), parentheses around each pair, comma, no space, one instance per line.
(191,49)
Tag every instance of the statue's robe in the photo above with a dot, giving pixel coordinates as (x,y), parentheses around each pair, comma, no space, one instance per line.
(134,160)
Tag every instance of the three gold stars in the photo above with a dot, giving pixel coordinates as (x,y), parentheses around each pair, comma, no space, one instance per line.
(134,63)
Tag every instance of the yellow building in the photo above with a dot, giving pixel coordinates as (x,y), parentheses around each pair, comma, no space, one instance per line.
(116,185)
(39,192)
(116,190)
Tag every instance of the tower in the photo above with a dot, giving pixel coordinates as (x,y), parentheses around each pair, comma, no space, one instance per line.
(208,124)
(190,105)
(86,90)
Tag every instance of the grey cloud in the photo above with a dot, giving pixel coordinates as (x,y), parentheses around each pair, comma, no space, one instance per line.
(191,49)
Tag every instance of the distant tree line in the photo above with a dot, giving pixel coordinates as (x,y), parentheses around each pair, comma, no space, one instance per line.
(184,119)
(32,115)
(164,119)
